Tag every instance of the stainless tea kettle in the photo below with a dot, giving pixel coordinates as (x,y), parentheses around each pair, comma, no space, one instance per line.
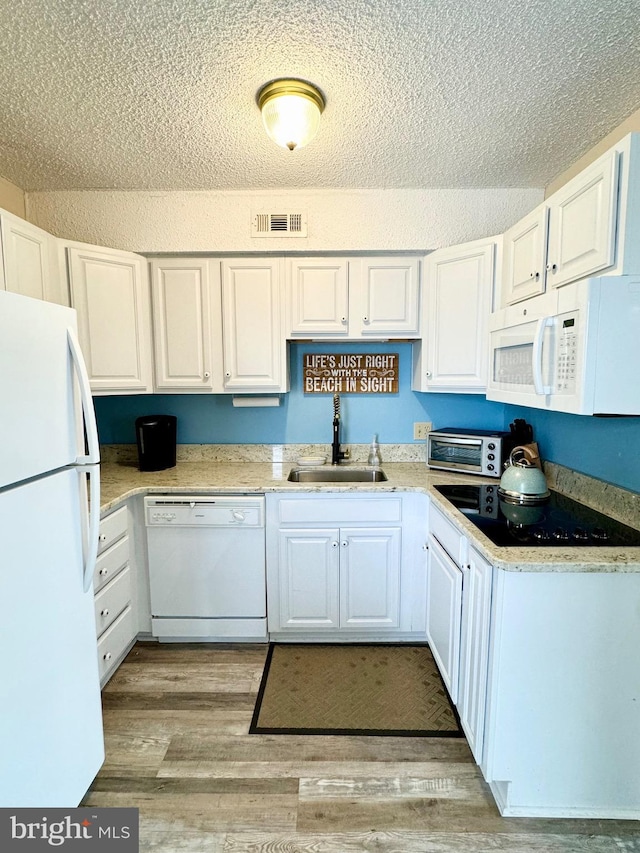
(522,481)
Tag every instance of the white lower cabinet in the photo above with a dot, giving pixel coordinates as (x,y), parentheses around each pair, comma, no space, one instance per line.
(474,649)
(444,606)
(327,578)
(308,581)
(114,643)
(562,723)
(370,577)
(545,678)
(458,619)
(339,578)
(116,622)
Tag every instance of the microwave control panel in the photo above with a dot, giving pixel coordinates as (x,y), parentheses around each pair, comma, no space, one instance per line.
(566,362)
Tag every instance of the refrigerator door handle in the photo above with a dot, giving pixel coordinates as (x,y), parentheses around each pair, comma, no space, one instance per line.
(88,412)
(92,523)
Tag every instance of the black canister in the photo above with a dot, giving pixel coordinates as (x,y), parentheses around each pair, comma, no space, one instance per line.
(156,439)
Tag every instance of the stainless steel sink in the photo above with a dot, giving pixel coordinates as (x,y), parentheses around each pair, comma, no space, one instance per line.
(336,474)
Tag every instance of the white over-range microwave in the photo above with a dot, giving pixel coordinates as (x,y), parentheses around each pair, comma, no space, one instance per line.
(574,349)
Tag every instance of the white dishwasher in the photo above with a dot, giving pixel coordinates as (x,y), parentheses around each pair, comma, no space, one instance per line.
(207,572)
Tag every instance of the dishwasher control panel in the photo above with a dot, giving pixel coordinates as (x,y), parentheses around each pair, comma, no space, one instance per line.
(204,511)
(163,517)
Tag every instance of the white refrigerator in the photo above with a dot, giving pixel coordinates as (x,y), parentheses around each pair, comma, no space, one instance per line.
(51,741)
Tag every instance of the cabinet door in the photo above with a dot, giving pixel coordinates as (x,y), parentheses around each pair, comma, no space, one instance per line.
(384,295)
(474,650)
(444,602)
(29,267)
(582,223)
(457,305)
(525,256)
(370,577)
(110,291)
(253,334)
(317,290)
(187,324)
(308,577)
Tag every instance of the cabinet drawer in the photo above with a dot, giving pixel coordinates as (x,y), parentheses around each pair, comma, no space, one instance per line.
(114,641)
(347,511)
(110,563)
(112,527)
(448,535)
(112,600)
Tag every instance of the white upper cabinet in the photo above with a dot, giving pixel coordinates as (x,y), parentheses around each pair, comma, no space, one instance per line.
(582,223)
(525,257)
(384,297)
(255,351)
(29,257)
(587,227)
(317,297)
(110,291)
(187,324)
(354,298)
(452,355)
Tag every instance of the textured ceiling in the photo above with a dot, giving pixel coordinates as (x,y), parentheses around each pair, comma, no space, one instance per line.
(128,94)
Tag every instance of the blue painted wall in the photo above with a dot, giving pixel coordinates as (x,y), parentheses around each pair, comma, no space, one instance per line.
(302,418)
(607,448)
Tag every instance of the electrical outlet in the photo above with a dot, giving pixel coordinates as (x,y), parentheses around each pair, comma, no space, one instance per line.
(421,430)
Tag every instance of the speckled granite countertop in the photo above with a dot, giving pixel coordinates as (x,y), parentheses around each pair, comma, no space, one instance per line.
(122,479)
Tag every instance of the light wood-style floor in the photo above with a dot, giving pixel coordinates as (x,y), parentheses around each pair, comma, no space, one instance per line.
(177,747)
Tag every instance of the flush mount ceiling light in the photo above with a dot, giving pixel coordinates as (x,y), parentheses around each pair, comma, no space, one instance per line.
(291,111)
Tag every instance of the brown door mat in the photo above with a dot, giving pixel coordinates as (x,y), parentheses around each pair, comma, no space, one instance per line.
(354,689)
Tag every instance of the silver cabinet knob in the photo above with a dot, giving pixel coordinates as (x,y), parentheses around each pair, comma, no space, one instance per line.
(102,537)
(107,656)
(207,375)
(343,320)
(104,612)
(552,267)
(334,544)
(427,373)
(103,572)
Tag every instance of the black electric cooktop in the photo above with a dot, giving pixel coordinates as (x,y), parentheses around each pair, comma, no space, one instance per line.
(558,521)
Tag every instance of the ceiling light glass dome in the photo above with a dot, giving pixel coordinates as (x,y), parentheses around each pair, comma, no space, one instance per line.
(291,111)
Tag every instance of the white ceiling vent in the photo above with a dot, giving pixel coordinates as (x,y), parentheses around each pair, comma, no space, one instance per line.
(279,225)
